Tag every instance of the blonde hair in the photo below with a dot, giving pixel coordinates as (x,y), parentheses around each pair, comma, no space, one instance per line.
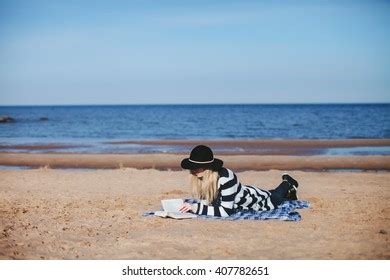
(205,188)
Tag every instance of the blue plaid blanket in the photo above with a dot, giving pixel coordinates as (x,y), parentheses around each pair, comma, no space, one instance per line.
(285,212)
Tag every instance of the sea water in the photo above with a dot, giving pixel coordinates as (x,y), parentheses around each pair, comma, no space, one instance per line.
(93,126)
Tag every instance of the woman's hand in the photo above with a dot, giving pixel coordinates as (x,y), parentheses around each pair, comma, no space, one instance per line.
(186,207)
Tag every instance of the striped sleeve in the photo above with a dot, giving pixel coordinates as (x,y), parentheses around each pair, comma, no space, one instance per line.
(224,206)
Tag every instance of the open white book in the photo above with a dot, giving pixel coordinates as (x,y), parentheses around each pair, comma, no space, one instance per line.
(171,210)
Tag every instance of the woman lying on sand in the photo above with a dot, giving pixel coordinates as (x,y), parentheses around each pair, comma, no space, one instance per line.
(220,191)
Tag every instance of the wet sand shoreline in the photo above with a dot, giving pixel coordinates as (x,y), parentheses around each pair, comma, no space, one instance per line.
(222,147)
(172,161)
(258,154)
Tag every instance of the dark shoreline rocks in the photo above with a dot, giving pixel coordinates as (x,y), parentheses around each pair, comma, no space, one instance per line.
(6,119)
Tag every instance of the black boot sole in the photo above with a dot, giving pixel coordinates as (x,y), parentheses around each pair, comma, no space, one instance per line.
(290,179)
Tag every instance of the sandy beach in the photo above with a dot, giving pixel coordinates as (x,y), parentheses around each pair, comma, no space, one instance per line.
(50,213)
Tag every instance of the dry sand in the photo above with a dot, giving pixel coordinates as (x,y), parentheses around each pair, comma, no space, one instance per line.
(67,214)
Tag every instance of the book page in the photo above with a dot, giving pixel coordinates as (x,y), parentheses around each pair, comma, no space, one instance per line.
(172,205)
(171,209)
(161,214)
(181,215)
(174,215)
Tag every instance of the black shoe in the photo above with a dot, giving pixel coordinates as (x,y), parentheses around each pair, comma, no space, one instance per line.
(292,192)
(290,179)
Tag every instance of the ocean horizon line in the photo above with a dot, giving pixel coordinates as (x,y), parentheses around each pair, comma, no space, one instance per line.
(197,104)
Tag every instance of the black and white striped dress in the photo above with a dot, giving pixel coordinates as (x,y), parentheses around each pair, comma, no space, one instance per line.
(233,196)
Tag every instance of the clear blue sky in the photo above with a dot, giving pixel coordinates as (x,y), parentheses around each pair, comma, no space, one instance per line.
(140,52)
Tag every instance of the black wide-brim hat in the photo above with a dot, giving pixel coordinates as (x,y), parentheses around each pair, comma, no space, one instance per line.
(201,157)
